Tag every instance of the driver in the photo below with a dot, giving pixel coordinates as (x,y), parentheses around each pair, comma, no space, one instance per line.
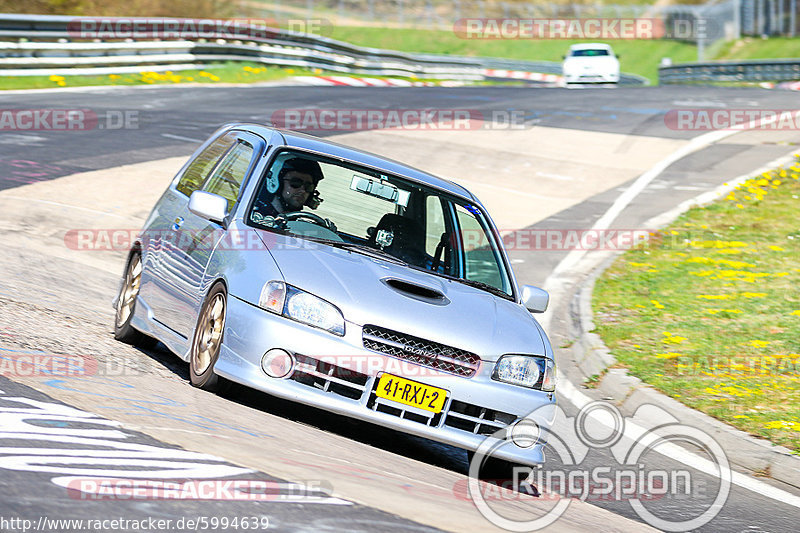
(298,179)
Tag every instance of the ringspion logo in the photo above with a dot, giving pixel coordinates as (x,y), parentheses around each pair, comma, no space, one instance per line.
(625,473)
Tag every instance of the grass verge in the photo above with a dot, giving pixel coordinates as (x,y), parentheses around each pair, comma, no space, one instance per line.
(230,72)
(708,310)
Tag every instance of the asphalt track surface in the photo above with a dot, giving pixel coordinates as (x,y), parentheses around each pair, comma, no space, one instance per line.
(172,122)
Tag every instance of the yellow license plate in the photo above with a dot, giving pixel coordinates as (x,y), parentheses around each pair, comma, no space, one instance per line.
(411,393)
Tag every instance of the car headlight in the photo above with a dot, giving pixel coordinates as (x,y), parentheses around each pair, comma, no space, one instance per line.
(534,372)
(291,302)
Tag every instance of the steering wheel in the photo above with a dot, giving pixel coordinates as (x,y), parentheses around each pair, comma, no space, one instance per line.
(316,219)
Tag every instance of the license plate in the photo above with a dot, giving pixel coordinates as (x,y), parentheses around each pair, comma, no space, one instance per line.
(411,393)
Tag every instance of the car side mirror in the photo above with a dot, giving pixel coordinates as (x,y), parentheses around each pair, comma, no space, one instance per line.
(535,299)
(209,206)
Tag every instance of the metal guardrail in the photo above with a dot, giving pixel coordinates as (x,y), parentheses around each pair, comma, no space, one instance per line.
(45,42)
(731,71)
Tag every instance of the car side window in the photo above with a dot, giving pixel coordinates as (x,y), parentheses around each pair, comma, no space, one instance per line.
(434,218)
(198,170)
(230,173)
(480,256)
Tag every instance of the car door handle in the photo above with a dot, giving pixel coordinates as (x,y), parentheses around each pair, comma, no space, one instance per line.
(177,224)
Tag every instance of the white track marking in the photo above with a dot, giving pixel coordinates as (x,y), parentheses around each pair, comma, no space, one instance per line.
(180,138)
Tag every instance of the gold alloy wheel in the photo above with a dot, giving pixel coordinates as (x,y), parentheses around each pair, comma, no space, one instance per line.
(130,290)
(209,335)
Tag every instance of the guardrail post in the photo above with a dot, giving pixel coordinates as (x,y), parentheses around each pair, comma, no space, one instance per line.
(737,19)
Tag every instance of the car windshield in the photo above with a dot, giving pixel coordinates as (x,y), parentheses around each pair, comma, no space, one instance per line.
(590,53)
(380,215)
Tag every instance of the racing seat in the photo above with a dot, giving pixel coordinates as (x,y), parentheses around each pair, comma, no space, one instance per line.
(408,238)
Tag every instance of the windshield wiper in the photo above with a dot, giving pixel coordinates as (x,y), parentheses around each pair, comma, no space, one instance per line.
(481,285)
(366,250)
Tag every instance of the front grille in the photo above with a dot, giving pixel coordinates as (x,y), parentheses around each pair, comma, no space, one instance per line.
(421,351)
(328,377)
(477,419)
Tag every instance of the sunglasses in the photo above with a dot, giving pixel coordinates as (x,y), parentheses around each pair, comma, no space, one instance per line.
(297,183)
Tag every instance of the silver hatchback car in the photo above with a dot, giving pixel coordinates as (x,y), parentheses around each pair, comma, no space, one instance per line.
(336,278)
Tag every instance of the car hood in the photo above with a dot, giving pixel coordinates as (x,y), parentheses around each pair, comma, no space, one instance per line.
(359,285)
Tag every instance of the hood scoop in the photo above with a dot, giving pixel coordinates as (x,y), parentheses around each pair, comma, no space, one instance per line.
(417,292)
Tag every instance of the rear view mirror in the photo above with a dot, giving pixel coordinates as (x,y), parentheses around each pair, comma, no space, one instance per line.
(380,189)
(209,206)
(535,299)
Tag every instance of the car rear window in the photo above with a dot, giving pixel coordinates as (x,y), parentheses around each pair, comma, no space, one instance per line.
(589,53)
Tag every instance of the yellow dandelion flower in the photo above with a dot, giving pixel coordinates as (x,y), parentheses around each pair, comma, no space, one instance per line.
(776,249)
(759,344)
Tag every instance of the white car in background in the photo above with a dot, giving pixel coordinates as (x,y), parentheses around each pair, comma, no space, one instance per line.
(590,63)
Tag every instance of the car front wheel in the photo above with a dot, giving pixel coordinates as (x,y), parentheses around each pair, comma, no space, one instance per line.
(207,340)
(126,305)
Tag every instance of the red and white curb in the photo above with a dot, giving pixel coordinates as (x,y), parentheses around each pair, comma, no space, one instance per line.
(381,82)
(522,75)
(789,86)
(360,82)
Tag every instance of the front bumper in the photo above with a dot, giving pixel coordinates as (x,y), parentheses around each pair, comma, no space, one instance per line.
(332,376)
(591,77)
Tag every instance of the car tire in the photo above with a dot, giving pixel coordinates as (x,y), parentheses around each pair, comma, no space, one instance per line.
(207,341)
(126,305)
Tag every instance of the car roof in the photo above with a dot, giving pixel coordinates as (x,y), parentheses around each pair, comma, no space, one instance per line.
(590,46)
(293,139)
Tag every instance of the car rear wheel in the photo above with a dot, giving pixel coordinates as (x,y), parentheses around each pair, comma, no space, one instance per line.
(207,340)
(126,305)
